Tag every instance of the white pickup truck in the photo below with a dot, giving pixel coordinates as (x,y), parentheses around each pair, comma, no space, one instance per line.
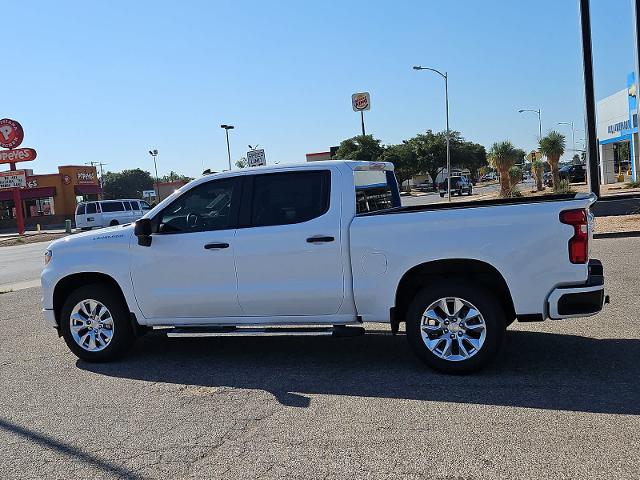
(321,248)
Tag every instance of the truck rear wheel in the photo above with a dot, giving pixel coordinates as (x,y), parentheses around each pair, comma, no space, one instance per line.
(95,323)
(455,327)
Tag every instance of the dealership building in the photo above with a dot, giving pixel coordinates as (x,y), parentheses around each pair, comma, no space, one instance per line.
(50,198)
(617,117)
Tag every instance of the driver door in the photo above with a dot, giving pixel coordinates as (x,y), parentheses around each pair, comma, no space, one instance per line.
(188,272)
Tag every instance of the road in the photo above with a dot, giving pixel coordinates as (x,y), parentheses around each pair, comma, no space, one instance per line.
(21,265)
(562,401)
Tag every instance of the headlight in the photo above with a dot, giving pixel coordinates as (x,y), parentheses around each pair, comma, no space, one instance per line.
(47,256)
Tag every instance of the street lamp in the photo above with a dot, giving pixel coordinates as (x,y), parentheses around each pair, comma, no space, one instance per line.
(446,101)
(573,133)
(226,129)
(539,121)
(154,154)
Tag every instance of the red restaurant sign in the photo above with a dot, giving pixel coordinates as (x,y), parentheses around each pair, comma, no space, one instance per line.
(11,133)
(17,155)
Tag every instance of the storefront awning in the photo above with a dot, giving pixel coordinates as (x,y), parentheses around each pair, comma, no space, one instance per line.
(25,194)
(87,189)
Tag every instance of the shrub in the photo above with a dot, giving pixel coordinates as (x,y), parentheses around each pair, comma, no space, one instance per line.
(562,187)
(633,184)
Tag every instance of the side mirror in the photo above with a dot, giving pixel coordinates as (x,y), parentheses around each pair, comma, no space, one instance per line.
(143,230)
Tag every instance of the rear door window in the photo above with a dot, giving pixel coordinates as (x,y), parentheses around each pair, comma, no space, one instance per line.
(91,208)
(80,209)
(127,205)
(289,197)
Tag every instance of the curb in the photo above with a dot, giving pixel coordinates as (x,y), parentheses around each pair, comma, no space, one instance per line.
(631,234)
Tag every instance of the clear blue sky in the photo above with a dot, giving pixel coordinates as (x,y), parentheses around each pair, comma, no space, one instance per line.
(105,81)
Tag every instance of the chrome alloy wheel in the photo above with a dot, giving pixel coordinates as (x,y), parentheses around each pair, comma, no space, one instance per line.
(91,325)
(453,329)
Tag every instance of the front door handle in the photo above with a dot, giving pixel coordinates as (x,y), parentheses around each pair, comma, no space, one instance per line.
(320,239)
(216,246)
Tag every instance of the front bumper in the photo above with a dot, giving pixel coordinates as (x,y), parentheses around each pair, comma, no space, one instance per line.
(583,300)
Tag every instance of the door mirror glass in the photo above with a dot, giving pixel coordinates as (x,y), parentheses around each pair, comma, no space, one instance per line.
(143,231)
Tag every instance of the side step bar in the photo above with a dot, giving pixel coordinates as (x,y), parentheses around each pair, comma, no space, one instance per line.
(194,332)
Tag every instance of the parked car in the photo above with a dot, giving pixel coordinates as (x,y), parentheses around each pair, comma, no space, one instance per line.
(424,187)
(108,213)
(318,249)
(573,173)
(459,184)
(488,177)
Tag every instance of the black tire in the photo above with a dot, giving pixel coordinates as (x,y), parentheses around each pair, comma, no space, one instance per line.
(442,195)
(123,333)
(85,229)
(114,223)
(485,302)
(470,192)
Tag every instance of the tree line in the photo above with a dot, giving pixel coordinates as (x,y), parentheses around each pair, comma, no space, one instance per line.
(131,183)
(425,153)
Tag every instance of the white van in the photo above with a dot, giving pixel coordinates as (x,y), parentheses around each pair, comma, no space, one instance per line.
(107,213)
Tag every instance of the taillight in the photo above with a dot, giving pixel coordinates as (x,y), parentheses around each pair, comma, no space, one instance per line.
(579,243)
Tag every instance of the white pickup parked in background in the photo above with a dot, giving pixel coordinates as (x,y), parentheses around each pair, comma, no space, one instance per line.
(325,244)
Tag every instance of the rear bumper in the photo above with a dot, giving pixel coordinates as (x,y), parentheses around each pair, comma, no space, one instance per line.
(583,300)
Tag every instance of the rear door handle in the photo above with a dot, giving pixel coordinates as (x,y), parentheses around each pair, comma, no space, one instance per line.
(320,239)
(216,246)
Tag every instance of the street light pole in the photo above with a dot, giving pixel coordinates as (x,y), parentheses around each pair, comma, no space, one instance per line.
(226,129)
(539,120)
(573,133)
(154,154)
(446,101)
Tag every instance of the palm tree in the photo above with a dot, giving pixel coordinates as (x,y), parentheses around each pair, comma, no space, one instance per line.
(502,156)
(537,167)
(553,147)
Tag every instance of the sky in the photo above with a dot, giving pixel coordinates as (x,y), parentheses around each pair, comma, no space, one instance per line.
(107,81)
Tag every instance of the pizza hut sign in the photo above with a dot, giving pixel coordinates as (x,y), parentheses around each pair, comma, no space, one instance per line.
(86,177)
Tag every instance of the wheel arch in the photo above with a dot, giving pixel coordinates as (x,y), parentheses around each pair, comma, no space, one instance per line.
(472,270)
(68,284)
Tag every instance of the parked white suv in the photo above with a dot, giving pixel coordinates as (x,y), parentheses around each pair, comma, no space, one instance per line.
(108,213)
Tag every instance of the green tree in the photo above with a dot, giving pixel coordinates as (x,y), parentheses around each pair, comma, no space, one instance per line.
(552,146)
(502,156)
(174,177)
(404,159)
(361,147)
(431,149)
(470,155)
(515,176)
(126,184)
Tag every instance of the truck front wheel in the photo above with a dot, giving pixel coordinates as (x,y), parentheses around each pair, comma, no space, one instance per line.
(95,323)
(455,327)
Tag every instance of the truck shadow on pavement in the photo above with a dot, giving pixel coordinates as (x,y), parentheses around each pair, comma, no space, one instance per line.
(535,370)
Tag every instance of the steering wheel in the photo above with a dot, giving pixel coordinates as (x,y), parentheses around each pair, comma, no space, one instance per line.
(192,220)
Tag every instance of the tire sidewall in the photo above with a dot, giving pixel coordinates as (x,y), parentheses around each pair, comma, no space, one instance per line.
(123,334)
(482,299)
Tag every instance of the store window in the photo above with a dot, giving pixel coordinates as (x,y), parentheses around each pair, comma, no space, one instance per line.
(7,212)
(39,207)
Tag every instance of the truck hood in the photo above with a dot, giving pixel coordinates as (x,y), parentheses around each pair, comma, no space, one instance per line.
(110,236)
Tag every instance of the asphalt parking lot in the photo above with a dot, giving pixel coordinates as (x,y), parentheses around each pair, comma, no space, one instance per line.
(562,401)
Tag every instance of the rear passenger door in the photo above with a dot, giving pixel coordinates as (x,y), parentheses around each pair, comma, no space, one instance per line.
(288,249)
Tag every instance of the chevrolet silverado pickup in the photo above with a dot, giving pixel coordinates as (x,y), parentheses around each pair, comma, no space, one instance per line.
(321,248)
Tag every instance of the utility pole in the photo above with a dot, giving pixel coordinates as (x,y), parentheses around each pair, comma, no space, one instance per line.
(100,164)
